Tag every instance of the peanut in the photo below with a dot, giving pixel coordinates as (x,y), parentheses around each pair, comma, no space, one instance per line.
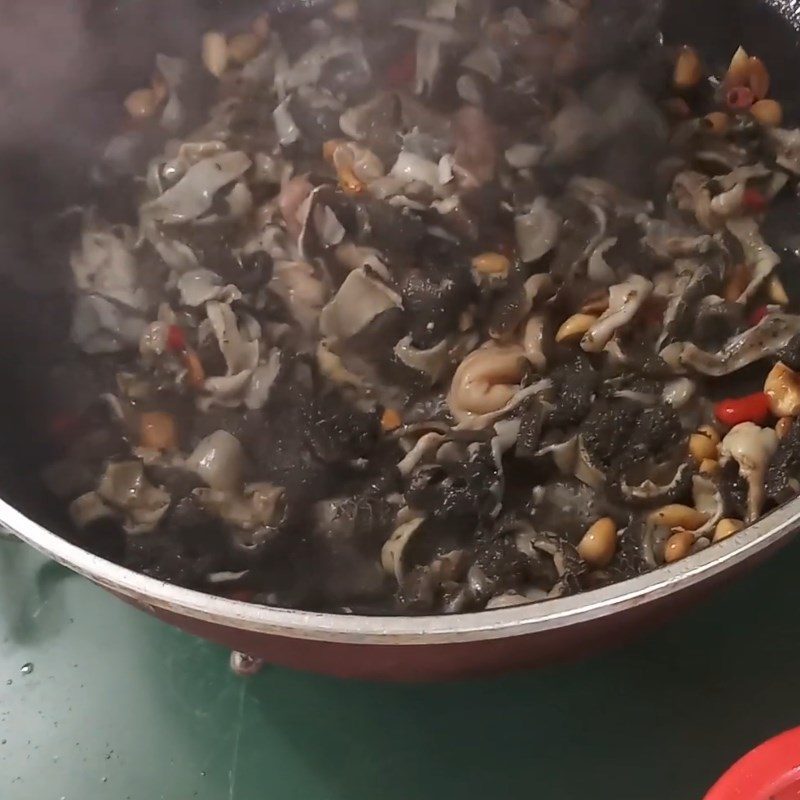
(679,517)
(703,447)
(215,53)
(783,426)
(718,121)
(141,103)
(244,47)
(688,70)
(777,292)
(599,543)
(709,466)
(574,327)
(491,264)
(726,528)
(768,112)
(158,431)
(678,546)
(782,387)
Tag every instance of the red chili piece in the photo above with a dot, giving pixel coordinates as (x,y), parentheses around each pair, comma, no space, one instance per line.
(653,312)
(242,595)
(752,408)
(64,425)
(740,98)
(755,200)
(757,315)
(402,71)
(176,339)
(506,247)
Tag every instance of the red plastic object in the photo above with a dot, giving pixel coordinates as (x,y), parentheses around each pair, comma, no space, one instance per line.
(770,772)
(752,408)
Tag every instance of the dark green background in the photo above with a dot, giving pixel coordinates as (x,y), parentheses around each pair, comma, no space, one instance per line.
(120,706)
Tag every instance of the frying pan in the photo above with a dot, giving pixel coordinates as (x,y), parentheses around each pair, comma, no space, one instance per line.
(43,158)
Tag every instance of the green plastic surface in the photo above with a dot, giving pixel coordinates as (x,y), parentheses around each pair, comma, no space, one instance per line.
(121,706)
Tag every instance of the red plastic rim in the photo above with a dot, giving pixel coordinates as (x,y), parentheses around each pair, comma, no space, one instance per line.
(770,772)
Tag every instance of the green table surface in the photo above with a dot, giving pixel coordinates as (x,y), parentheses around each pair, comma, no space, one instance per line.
(121,706)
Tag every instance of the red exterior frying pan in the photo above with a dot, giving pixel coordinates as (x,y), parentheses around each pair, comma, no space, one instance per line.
(44,154)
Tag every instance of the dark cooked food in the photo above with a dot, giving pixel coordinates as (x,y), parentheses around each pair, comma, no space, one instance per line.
(428,307)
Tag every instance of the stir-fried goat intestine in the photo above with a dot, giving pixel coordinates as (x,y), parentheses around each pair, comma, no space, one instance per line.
(423,312)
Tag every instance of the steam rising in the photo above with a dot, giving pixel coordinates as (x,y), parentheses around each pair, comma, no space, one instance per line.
(65,66)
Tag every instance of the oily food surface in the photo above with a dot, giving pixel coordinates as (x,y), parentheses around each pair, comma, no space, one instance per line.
(420,310)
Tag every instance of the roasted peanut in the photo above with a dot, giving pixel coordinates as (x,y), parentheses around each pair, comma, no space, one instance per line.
(757,78)
(782,387)
(244,47)
(345,10)
(678,546)
(738,69)
(768,112)
(141,103)
(688,70)
(599,543)
(783,426)
(215,53)
(703,446)
(777,292)
(679,517)
(749,72)
(710,432)
(575,327)
(718,121)
(491,264)
(158,431)
(709,466)
(726,528)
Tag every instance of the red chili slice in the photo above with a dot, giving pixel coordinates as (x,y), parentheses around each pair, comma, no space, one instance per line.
(757,315)
(64,425)
(402,71)
(755,200)
(176,339)
(752,408)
